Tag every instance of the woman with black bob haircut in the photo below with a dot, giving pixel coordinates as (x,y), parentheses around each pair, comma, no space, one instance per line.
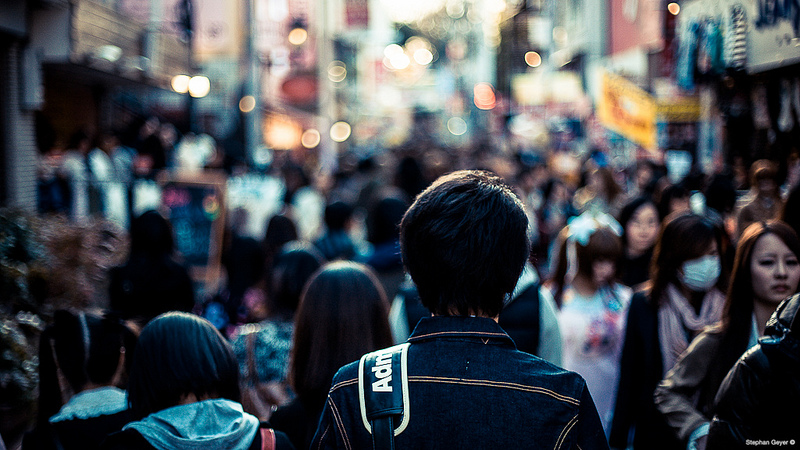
(343,314)
(184,391)
(473,277)
(82,370)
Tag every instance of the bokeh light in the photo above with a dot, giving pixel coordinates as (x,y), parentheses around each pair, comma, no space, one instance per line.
(456,126)
(533,59)
(247,104)
(340,131)
(311,138)
(298,36)
(180,83)
(199,86)
(483,94)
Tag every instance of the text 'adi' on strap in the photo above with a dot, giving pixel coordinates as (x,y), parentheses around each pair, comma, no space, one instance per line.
(383,393)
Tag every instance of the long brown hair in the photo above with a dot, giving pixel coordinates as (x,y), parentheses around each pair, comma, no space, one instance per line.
(738,312)
(343,314)
(684,236)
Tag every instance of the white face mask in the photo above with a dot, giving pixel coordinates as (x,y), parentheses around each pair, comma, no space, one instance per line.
(701,274)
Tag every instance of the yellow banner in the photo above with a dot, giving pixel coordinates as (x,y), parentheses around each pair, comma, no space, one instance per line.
(679,110)
(628,110)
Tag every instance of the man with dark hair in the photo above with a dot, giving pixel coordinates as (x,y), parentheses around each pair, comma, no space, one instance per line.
(459,381)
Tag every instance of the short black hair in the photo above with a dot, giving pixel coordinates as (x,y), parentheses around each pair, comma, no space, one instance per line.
(85,348)
(337,214)
(179,354)
(464,243)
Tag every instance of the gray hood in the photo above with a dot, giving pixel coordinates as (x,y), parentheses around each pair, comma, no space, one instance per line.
(215,423)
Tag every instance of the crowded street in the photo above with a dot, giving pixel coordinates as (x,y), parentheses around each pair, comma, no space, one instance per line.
(445,224)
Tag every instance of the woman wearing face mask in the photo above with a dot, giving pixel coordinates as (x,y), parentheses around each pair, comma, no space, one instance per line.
(592,305)
(766,271)
(684,295)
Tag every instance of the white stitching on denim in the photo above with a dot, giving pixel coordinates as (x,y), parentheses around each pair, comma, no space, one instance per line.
(563,436)
(497,384)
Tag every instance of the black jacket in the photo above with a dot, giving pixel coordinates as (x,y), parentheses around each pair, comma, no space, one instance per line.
(758,398)
(636,419)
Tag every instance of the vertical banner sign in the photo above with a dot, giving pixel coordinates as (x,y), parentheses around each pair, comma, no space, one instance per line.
(195,205)
(627,110)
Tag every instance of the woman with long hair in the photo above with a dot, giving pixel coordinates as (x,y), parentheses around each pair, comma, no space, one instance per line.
(343,314)
(766,271)
(688,279)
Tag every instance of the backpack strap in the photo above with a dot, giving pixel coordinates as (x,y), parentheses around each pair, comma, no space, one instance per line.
(383,394)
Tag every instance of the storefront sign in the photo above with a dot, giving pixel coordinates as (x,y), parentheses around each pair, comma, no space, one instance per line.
(627,109)
(774,35)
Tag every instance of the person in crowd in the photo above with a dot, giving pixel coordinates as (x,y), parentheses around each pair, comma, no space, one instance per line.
(151,156)
(53,195)
(645,178)
(383,218)
(556,211)
(76,170)
(592,304)
(464,244)
(790,210)
(763,202)
(528,316)
(243,259)
(336,243)
(720,198)
(755,400)
(640,225)
(82,363)
(281,230)
(672,198)
(113,199)
(184,392)
(265,346)
(684,295)
(342,315)
(766,271)
(602,193)
(151,282)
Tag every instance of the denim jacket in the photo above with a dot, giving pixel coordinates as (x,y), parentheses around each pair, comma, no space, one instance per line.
(469,387)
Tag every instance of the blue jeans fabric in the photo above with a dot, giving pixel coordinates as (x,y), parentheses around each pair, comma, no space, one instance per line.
(470,387)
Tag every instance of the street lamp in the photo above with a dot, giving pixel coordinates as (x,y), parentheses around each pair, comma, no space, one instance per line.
(197,86)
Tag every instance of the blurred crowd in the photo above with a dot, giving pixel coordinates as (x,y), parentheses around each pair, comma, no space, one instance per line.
(649,287)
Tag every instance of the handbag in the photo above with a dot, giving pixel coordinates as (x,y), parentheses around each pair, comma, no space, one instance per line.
(260,399)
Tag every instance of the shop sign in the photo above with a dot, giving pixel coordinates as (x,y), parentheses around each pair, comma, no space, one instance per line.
(627,109)
(679,110)
(774,35)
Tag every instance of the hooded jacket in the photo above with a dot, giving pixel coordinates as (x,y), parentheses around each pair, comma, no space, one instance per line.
(215,423)
(753,399)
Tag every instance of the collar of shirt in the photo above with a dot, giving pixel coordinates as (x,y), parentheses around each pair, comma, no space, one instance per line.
(460,327)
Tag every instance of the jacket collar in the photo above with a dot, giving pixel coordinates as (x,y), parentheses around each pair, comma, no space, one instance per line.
(438,327)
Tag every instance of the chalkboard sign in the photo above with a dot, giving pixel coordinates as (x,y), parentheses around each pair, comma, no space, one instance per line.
(195,205)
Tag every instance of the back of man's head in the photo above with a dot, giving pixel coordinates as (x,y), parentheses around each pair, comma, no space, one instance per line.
(464,243)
